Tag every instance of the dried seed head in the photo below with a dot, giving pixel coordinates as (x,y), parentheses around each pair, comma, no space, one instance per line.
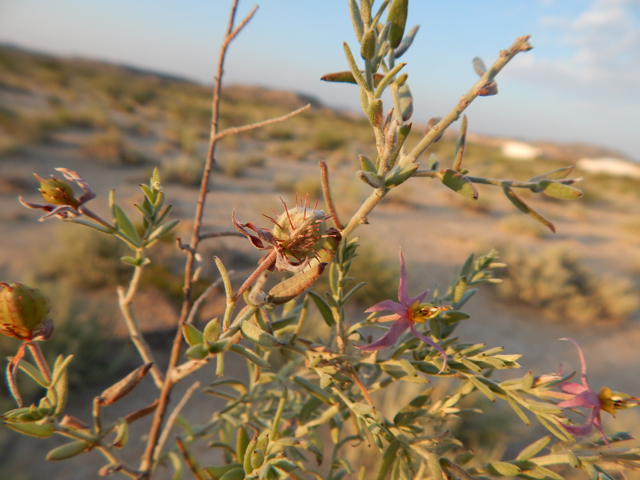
(23,311)
(301,231)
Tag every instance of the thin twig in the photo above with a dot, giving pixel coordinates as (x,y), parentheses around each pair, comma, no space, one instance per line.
(363,389)
(196,305)
(171,420)
(265,263)
(497,181)
(326,191)
(263,123)
(34,348)
(88,213)
(521,44)
(190,461)
(163,400)
(220,234)
(125,302)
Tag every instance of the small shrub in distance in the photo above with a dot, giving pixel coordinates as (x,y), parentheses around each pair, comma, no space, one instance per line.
(564,289)
(110,147)
(186,170)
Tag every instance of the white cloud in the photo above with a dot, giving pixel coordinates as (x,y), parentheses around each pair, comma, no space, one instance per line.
(603,45)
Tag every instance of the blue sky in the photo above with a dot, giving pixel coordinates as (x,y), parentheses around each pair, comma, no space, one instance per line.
(580,83)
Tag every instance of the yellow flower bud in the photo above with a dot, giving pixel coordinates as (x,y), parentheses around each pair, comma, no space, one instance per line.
(56,192)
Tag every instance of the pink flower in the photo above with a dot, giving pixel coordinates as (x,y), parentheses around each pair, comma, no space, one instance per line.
(405,315)
(581,395)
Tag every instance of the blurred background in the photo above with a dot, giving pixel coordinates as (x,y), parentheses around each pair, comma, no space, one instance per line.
(112,89)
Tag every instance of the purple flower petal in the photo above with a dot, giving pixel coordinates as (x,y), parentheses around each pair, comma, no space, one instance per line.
(388,306)
(403,288)
(389,338)
(597,422)
(573,388)
(587,399)
(428,341)
(585,428)
(419,298)
(584,364)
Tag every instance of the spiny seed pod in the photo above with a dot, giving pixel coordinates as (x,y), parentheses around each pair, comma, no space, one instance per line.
(56,192)
(23,311)
(301,231)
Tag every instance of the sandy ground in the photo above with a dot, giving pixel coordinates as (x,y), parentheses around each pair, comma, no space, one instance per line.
(435,232)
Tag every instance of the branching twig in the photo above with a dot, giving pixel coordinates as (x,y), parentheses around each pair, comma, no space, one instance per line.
(520,45)
(196,305)
(125,302)
(190,461)
(220,234)
(163,400)
(263,123)
(171,420)
(497,181)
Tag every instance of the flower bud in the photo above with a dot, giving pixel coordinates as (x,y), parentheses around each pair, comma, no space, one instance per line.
(56,192)
(23,311)
(301,232)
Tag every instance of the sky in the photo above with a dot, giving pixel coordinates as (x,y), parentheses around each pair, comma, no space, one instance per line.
(580,83)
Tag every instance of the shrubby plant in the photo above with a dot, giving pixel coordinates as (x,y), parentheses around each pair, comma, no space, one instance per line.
(307,402)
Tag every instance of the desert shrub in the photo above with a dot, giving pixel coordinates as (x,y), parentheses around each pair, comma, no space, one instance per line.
(100,265)
(186,170)
(558,283)
(521,225)
(309,184)
(87,117)
(328,140)
(110,147)
(255,161)
(9,146)
(231,165)
(281,133)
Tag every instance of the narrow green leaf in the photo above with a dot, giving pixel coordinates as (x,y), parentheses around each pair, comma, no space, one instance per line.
(211,332)
(406,42)
(126,227)
(459,183)
(397,15)
(406,102)
(555,189)
(134,262)
(462,140)
(163,230)
(122,433)
(401,175)
(387,79)
(367,165)
(67,450)
(259,337)
(518,202)
(368,44)
(324,308)
(482,387)
(347,77)
(192,335)
(197,352)
(176,463)
(503,469)
(314,389)
(558,174)
(249,355)
(33,372)
(459,289)
(356,19)
(90,224)
(533,449)
(32,429)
